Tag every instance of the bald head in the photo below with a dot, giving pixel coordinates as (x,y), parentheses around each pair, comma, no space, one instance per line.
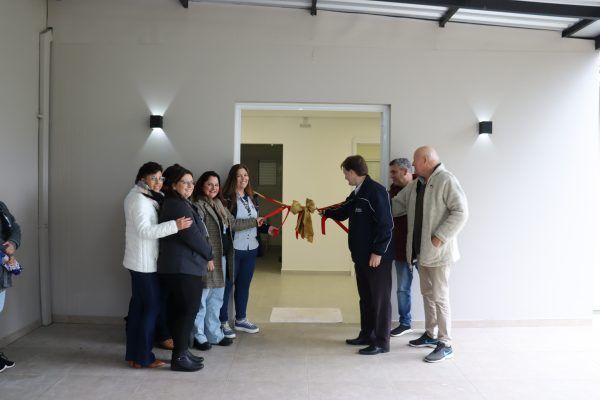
(424,160)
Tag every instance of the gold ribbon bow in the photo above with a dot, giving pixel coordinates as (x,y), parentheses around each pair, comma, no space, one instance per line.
(304,226)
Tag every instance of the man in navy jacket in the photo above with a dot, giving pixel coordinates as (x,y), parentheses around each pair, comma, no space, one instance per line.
(370,242)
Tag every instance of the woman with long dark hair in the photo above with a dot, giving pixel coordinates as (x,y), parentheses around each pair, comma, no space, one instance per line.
(240,201)
(221,225)
(183,261)
(142,232)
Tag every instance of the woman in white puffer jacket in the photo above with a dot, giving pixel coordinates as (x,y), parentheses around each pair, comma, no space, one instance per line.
(142,232)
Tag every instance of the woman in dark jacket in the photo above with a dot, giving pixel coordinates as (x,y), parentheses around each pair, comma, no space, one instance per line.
(183,261)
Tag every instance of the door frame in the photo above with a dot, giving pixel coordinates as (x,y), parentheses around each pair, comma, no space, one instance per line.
(383,109)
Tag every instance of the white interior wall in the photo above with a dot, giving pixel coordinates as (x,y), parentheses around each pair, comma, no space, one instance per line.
(528,249)
(20,25)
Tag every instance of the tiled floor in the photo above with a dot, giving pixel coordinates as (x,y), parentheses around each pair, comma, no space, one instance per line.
(302,361)
(270,288)
(310,361)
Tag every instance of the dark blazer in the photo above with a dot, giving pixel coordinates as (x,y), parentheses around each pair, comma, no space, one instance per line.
(371,223)
(188,251)
(11,231)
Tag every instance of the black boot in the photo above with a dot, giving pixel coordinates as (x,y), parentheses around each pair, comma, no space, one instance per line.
(195,358)
(182,362)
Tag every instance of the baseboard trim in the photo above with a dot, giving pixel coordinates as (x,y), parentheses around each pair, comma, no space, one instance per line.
(5,341)
(305,272)
(526,323)
(87,319)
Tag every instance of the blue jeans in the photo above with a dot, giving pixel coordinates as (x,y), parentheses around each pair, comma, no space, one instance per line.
(245,261)
(404,277)
(207,327)
(2,298)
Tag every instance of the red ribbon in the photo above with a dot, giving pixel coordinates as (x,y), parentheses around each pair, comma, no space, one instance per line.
(324,218)
(283,207)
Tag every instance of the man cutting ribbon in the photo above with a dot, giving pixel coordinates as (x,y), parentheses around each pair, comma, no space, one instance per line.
(370,242)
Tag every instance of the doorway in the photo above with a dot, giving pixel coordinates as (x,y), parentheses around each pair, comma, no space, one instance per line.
(265,163)
(294,153)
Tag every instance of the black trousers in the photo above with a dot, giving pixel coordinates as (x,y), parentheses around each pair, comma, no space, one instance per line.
(374,291)
(161,332)
(182,293)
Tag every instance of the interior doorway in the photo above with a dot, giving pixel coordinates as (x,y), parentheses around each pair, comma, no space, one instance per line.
(265,162)
(294,152)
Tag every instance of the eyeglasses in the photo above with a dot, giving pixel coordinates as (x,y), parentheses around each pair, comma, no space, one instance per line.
(187,183)
(157,178)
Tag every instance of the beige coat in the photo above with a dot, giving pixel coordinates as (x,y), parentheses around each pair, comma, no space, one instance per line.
(445,213)
(214,279)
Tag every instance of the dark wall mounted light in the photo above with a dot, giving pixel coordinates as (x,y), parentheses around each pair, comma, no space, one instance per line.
(485,127)
(156,121)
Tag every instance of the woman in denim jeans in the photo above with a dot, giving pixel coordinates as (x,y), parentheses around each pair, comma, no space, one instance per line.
(221,225)
(239,198)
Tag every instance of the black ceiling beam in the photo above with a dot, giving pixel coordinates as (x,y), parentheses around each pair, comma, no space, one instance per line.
(573,29)
(447,15)
(184,3)
(313,8)
(511,6)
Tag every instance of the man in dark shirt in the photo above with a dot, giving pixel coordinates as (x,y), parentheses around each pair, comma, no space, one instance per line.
(369,239)
(401,175)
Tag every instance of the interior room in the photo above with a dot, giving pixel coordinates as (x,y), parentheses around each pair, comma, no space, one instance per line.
(507,92)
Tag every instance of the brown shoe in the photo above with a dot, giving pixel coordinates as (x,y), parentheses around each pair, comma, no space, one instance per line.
(133,365)
(157,364)
(167,344)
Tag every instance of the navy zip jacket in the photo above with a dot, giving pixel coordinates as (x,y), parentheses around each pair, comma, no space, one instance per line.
(371,222)
(188,251)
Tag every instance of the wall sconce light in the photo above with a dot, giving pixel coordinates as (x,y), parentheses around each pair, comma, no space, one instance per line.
(485,127)
(156,121)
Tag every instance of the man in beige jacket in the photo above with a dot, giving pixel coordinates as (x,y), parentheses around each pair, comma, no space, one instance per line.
(436,207)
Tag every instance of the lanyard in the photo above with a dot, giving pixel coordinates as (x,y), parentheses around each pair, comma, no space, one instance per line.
(246,205)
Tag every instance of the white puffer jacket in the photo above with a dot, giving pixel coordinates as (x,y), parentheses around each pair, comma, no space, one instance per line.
(142,231)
